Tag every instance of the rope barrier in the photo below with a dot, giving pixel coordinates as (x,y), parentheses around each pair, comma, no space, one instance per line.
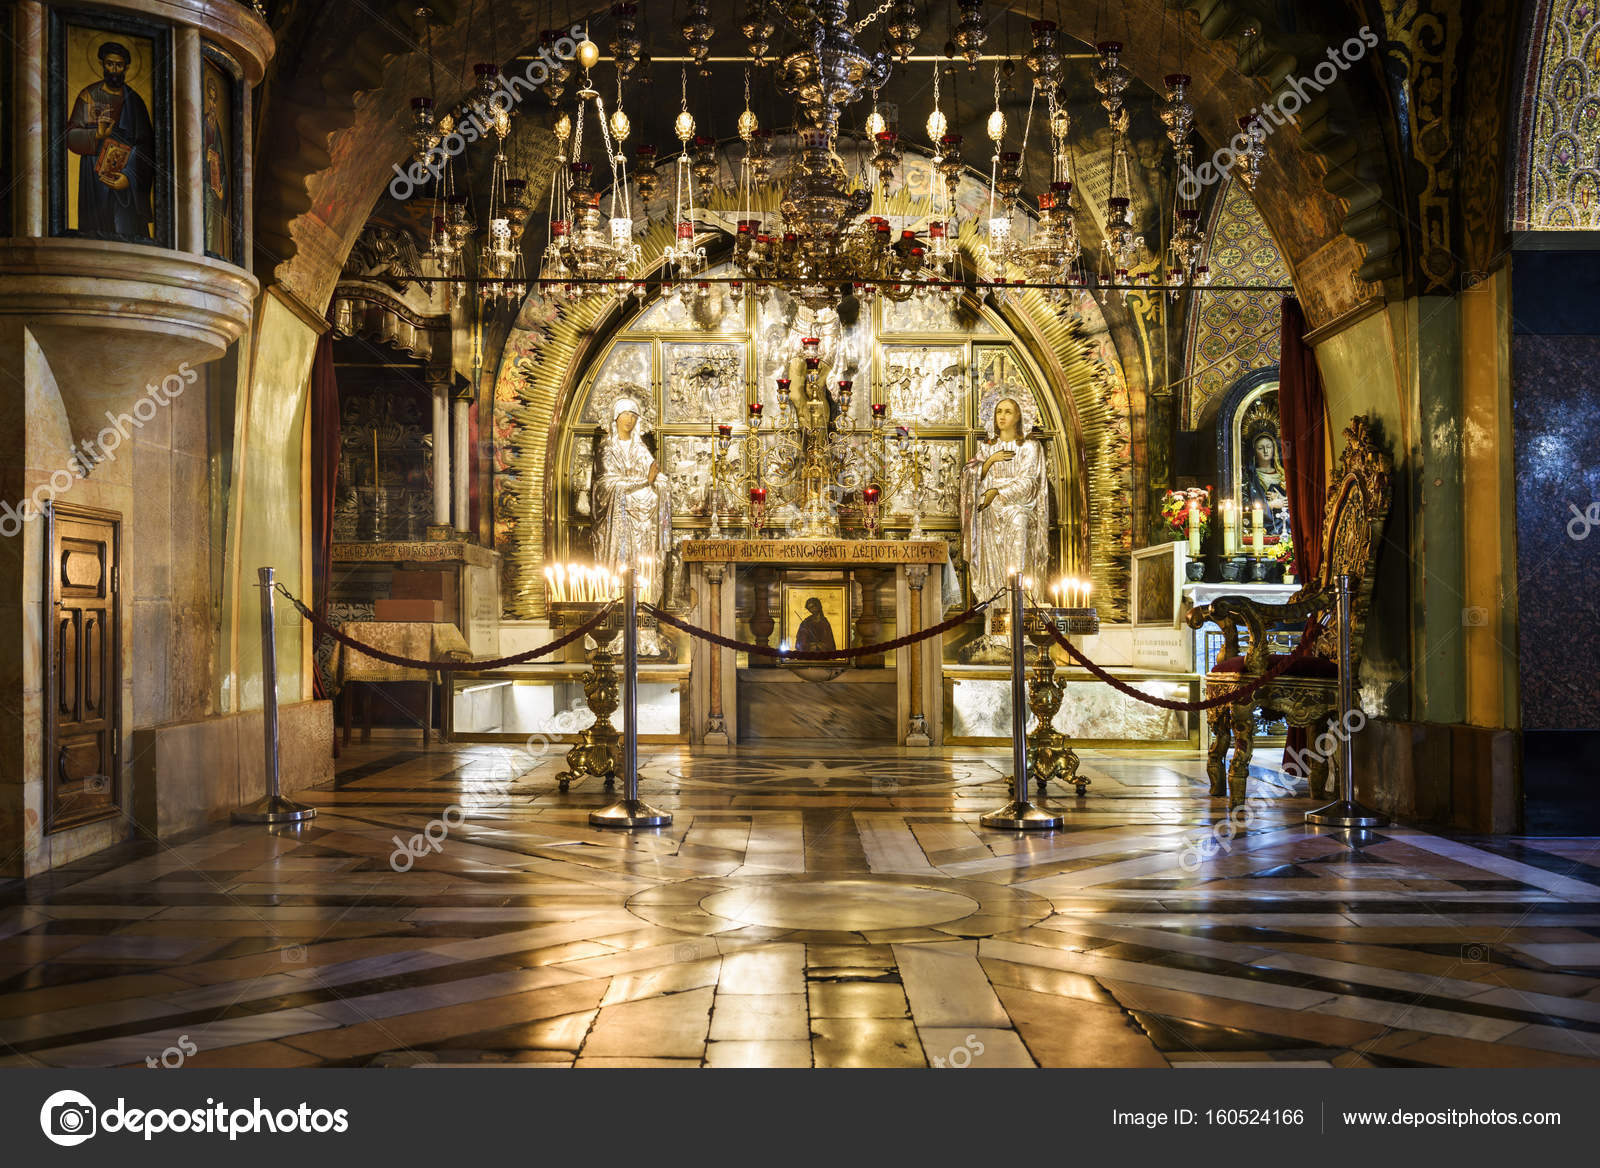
(327,629)
(817,654)
(1230,697)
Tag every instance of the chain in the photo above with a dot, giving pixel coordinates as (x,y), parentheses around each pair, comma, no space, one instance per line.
(860,25)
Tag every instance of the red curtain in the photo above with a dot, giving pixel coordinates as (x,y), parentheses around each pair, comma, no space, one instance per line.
(324,410)
(1302,411)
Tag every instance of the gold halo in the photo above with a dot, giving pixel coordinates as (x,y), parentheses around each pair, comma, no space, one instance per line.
(91,60)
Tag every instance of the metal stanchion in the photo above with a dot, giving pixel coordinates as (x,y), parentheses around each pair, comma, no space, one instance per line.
(1345,811)
(1019,814)
(628,810)
(273,808)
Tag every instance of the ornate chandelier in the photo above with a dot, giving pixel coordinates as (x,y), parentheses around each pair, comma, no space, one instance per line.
(824,238)
(590,254)
(829,230)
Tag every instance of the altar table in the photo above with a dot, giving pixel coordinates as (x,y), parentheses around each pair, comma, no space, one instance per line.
(917,565)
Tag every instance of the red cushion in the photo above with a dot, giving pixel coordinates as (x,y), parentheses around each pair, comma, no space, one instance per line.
(1305,667)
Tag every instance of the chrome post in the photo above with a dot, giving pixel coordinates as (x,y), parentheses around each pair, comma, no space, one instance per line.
(1345,811)
(628,810)
(1019,814)
(273,808)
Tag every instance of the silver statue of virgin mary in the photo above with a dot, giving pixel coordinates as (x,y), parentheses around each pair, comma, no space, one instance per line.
(1005,497)
(632,501)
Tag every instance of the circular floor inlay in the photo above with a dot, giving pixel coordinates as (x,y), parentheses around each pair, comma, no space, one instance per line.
(846,905)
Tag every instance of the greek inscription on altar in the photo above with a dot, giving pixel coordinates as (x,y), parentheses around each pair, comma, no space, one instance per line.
(816,551)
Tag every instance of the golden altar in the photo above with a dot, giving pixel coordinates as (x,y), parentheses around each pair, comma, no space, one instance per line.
(715,567)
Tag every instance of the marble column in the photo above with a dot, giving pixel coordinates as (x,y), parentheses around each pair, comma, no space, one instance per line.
(439,385)
(916,722)
(461,467)
(716,723)
(247,183)
(189,151)
(28,56)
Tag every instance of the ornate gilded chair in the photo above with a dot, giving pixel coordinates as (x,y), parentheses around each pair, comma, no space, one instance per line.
(1307,693)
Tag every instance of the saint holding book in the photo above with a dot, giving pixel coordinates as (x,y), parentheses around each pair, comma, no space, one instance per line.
(111,130)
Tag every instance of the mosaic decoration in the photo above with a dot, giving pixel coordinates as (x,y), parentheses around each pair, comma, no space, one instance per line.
(1232,333)
(1560,184)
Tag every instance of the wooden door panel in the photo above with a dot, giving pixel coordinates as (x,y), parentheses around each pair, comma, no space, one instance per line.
(83,730)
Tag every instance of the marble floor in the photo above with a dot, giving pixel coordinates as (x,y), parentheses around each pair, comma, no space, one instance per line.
(831,908)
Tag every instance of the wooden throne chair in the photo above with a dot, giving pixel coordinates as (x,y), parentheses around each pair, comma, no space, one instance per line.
(1307,694)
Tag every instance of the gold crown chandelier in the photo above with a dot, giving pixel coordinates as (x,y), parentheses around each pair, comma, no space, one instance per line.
(824,238)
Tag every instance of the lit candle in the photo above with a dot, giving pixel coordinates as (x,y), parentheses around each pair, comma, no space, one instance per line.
(870,494)
(1194,529)
(724,431)
(879,409)
(1258,531)
(758,494)
(1230,522)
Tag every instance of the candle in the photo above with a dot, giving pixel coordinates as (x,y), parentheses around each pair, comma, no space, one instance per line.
(870,494)
(1194,529)
(879,409)
(758,494)
(724,430)
(1258,531)
(1229,528)
(374,459)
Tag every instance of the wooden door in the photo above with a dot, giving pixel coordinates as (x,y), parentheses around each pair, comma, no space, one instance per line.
(83,666)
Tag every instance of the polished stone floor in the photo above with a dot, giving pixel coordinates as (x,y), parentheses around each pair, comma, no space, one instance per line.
(831,907)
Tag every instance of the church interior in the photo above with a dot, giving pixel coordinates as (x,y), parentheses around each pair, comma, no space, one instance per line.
(816,534)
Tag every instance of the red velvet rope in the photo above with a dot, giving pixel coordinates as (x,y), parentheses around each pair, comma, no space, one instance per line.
(1231,697)
(817,654)
(326,629)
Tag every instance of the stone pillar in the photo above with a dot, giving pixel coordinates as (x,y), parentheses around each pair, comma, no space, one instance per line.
(716,723)
(461,467)
(189,150)
(28,134)
(439,385)
(247,183)
(916,721)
